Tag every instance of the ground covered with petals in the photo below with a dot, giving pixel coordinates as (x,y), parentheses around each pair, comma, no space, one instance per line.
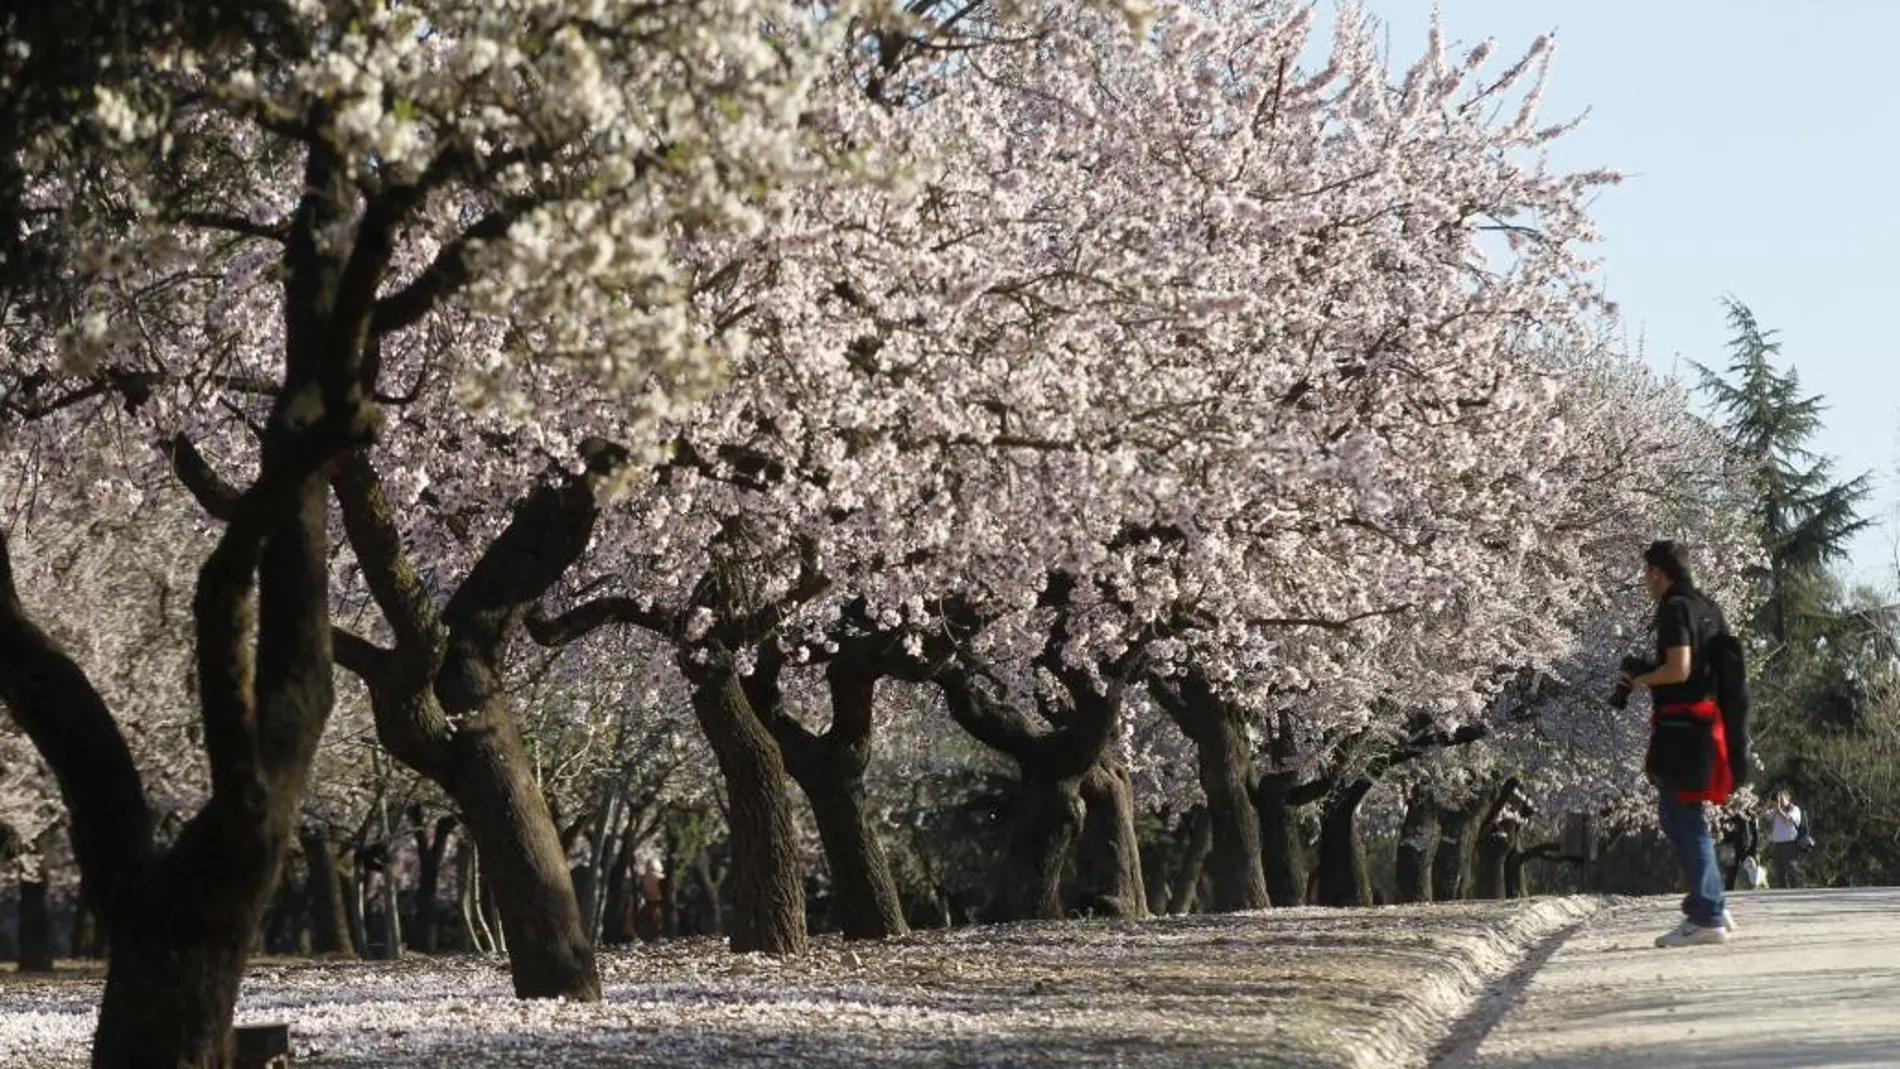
(1277,988)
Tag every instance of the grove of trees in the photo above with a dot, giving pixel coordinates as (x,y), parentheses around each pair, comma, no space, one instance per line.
(521,476)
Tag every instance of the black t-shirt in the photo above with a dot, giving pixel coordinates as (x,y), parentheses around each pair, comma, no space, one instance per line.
(1685,618)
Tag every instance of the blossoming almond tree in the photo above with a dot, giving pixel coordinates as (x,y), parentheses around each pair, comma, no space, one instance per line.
(529,162)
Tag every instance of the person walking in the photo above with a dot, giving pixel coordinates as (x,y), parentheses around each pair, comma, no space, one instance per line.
(1682,686)
(1784,841)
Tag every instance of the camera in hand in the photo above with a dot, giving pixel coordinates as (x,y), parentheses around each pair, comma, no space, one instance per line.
(1631,665)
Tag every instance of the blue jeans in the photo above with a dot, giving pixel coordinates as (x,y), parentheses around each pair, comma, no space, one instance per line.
(1682,823)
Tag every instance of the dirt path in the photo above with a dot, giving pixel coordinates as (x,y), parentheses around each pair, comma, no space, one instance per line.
(1811,979)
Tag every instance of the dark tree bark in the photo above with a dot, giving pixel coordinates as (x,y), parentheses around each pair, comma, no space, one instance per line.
(1042,832)
(1343,880)
(1108,861)
(1200,844)
(1418,835)
(1451,862)
(88,937)
(432,845)
(768,887)
(616,928)
(36,925)
(1283,848)
(1051,762)
(1496,837)
(830,768)
(447,668)
(1225,764)
(324,897)
(182,920)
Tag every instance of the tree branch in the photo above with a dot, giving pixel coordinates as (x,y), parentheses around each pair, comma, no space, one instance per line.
(370,524)
(447,273)
(235,224)
(587,617)
(218,497)
(56,706)
(548,532)
(357,655)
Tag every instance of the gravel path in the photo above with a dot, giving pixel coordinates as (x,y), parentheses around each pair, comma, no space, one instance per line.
(1811,979)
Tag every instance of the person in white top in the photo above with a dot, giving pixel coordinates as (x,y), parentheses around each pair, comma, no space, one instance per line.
(1784,841)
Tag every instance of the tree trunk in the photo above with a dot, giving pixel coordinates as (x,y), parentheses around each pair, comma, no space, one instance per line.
(1451,862)
(1343,880)
(1225,763)
(324,897)
(1496,836)
(867,902)
(354,876)
(1194,862)
(1283,849)
(36,925)
(1418,834)
(88,941)
(1108,858)
(1048,815)
(392,899)
(431,848)
(768,897)
(829,768)
(521,861)
(616,928)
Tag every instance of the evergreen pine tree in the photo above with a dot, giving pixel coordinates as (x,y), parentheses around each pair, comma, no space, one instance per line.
(1804,516)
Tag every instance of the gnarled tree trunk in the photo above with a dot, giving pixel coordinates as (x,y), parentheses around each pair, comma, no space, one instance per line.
(324,896)
(1108,861)
(1343,880)
(1043,828)
(830,768)
(1451,862)
(1283,848)
(1225,763)
(447,668)
(1193,862)
(1497,836)
(1418,835)
(432,844)
(36,923)
(768,888)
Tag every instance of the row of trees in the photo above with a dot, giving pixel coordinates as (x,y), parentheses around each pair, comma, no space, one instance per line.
(652,411)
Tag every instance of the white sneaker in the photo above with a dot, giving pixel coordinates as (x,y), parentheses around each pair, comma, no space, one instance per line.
(1691,934)
(1728,923)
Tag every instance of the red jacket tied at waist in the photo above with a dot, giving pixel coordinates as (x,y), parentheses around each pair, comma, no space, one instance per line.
(1721,779)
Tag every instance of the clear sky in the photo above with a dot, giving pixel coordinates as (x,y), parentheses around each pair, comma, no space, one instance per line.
(1758,143)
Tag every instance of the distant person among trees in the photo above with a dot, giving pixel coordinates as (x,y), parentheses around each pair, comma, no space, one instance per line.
(1688,744)
(1785,833)
(1744,842)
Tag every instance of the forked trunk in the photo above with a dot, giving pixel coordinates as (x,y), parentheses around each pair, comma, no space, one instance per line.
(829,768)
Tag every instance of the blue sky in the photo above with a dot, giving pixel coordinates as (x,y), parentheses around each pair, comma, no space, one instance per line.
(1758,144)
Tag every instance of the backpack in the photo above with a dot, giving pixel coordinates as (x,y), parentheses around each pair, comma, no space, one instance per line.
(1729,672)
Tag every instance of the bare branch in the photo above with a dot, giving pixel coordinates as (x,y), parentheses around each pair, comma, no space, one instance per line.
(215,495)
(586,618)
